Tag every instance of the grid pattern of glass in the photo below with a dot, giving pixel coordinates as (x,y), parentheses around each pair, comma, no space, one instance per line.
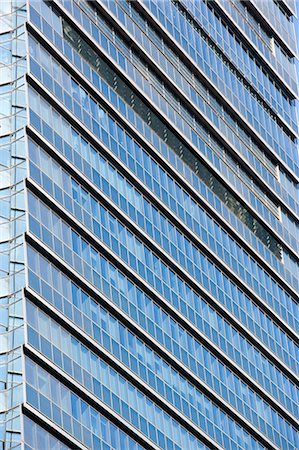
(279,20)
(152,43)
(261,39)
(92,57)
(79,97)
(67,410)
(204,173)
(265,286)
(148,225)
(87,314)
(206,57)
(167,101)
(288,260)
(36,437)
(85,366)
(68,192)
(85,259)
(216,27)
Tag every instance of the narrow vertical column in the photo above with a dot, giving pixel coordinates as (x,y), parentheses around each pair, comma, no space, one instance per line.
(12,215)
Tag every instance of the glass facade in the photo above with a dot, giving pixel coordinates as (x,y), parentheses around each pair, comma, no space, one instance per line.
(149,232)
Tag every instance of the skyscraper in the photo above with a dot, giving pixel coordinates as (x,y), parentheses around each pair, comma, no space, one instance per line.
(149,225)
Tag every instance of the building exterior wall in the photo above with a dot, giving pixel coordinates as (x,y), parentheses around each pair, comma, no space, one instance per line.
(149,225)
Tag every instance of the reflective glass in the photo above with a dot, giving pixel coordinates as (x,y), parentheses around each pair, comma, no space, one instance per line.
(88,315)
(61,405)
